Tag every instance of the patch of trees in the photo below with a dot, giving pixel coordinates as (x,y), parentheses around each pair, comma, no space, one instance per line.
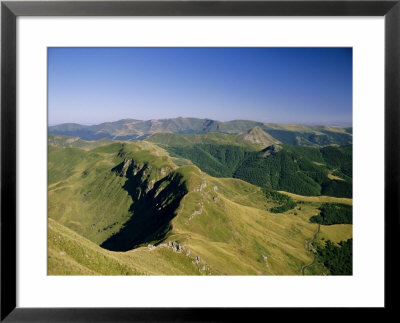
(334,213)
(216,160)
(337,259)
(285,202)
(339,158)
(337,188)
(295,169)
(284,207)
(279,171)
(309,153)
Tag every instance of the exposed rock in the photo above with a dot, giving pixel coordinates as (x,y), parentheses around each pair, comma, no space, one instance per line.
(71,140)
(201,187)
(197,212)
(175,246)
(150,185)
(127,163)
(164,171)
(159,190)
(265,260)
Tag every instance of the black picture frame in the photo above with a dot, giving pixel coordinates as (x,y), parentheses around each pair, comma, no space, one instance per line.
(10,10)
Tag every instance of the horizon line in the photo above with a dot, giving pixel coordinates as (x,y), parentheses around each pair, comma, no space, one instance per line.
(331,124)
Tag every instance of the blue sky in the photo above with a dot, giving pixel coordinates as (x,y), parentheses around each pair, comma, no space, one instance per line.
(284,85)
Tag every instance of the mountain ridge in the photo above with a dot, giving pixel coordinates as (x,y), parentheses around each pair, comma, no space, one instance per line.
(132,129)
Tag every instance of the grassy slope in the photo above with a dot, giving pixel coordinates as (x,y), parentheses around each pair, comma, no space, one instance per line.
(224,222)
(233,233)
(71,254)
(87,196)
(336,232)
(326,199)
(76,142)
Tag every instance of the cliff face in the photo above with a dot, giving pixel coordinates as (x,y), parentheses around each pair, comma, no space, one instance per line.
(156,194)
(118,192)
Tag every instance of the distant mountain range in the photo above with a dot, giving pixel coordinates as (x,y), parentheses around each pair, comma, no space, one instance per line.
(131,129)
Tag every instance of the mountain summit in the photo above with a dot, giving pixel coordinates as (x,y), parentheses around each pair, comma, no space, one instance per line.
(258,136)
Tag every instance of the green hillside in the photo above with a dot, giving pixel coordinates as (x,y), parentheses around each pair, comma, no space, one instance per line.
(336,258)
(300,170)
(215,153)
(127,208)
(88,191)
(296,169)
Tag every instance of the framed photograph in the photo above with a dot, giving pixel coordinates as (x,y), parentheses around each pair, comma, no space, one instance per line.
(197,161)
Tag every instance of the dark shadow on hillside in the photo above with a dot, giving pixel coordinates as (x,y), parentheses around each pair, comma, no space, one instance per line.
(151,212)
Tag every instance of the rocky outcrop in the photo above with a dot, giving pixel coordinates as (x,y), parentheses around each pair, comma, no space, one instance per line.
(197,212)
(202,186)
(175,246)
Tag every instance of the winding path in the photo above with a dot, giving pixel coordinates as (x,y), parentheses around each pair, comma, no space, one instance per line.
(308,248)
